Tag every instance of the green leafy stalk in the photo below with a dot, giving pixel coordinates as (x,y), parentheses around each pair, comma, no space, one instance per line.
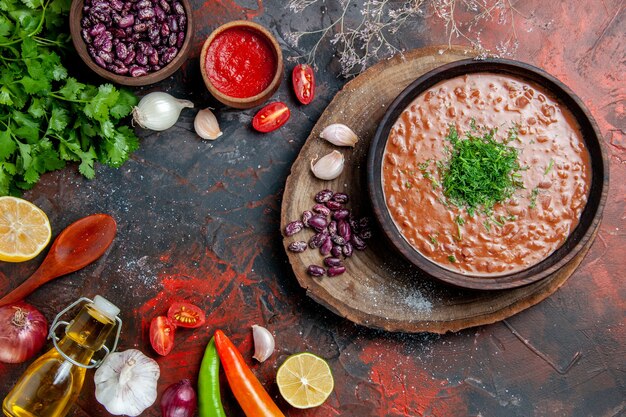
(481,172)
(48,118)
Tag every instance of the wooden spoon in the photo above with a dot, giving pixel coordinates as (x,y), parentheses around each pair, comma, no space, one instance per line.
(81,243)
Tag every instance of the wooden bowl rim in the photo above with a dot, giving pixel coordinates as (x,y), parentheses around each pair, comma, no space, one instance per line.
(243,102)
(76,14)
(589,219)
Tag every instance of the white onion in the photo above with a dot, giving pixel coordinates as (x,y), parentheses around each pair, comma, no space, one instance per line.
(159,111)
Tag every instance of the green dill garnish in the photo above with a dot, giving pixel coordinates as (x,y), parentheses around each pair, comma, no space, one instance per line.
(433,240)
(496,222)
(549,168)
(487,225)
(459,220)
(480,172)
(408,185)
(513,134)
(473,126)
(452,259)
(533,197)
(424,165)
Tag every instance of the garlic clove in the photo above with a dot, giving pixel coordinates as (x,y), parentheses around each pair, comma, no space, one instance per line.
(329,166)
(206,125)
(263,343)
(339,134)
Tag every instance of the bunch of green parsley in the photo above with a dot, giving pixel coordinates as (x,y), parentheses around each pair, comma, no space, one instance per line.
(48,118)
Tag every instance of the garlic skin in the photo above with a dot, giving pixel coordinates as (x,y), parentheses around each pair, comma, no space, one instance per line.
(340,135)
(329,166)
(159,111)
(126,382)
(206,125)
(263,343)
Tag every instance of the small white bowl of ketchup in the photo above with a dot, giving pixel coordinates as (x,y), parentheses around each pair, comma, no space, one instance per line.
(241,64)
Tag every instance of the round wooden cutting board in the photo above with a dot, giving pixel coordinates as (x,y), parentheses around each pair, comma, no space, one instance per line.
(380,289)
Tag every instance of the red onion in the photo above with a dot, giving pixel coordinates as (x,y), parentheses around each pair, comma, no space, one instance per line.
(179,400)
(23,331)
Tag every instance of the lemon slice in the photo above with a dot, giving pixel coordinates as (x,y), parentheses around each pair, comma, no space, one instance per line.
(305,380)
(24,230)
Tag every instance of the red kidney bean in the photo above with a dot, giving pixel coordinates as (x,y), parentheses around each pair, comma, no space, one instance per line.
(317,240)
(117,5)
(315,270)
(336,251)
(140,27)
(86,36)
(147,13)
(332,228)
(343,228)
(178,8)
(155,67)
(153,58)
(182,22)
(141,59)
(333,205)
(306,216)
(142,4)
(323,196)
(172,22)
(299,246)
(347,249)
(130,58)
(165,6)
(341,214)
(159,14)
(97,29)
(333,271)
(171,41)
(318,222)
(165,29)
(358,243)
(169,54)
(321,209)
(338,240)
(341,198)
(121,51)
(293,228)
(106,56)
(126,21)
(137,71)
(331,261)
(119,69)
(180,39)
(99,61)
(118,33)
(326,247)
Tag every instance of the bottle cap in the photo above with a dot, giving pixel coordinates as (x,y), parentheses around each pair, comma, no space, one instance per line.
(106,307)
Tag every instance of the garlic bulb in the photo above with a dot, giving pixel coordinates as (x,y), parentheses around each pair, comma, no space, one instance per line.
(159,111)
(329,166)
(126,382)
(340,135)
(263,343)
(206,125)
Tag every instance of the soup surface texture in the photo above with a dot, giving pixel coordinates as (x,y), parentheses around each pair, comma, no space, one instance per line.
(516,233)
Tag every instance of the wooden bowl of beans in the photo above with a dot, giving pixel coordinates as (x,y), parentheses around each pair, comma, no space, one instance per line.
(488,174)
(132,43)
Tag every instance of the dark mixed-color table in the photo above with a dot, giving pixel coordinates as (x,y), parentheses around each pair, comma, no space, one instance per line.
(199,221)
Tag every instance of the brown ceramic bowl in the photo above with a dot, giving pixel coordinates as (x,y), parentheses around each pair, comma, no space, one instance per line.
(590,216)
(76,15)
(246,102)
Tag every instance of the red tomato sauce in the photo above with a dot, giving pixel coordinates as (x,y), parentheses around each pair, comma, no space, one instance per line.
(240,62)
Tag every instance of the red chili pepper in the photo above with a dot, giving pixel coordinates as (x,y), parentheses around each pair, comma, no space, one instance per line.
(250,394)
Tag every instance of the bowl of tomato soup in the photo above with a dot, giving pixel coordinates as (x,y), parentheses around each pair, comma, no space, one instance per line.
(488,174)
(241,64)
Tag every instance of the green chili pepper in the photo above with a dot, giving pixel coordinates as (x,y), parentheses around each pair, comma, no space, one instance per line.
(209,399)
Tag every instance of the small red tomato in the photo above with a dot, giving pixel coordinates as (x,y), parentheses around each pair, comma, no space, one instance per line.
(162,335)
(186,315)
(271,117)
(303,83)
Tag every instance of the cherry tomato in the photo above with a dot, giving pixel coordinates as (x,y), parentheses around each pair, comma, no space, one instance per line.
(186,315)
(162,335)
(271,117)
(303,83)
